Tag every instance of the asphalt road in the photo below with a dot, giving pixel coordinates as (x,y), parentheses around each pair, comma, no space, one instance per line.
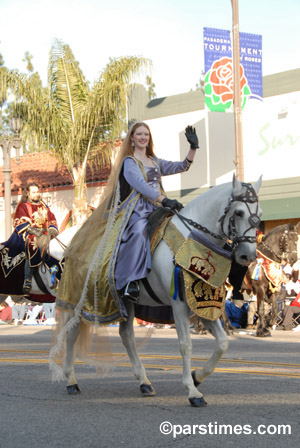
(256,383)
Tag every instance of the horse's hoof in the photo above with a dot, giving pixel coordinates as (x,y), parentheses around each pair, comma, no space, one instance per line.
(197,402)
(74,389)
(263,334)
(147,390)
(196,383)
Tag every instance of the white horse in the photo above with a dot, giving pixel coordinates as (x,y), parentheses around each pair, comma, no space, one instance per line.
(11,285)
(56,250)
(229,211)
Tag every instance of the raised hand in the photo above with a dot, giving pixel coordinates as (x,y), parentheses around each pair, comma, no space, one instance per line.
(191,137)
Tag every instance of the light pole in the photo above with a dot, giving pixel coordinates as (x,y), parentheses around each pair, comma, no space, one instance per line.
(239,154)
(8,142)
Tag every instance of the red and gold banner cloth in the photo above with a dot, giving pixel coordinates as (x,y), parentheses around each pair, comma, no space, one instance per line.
(272,270)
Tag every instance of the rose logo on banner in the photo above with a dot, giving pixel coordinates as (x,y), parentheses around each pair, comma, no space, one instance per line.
(219,71)
(219,86)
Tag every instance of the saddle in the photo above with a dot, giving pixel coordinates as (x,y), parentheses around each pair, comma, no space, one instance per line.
(156,219)
(201,268)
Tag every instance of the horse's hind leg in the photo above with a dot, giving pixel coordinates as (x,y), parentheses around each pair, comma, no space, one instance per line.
(181,316)
(262,330)
(68,364)
(215,328)
(127,334)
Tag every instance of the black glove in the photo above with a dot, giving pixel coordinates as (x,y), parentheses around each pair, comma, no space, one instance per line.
(173,204)
(191,137)
(35,231)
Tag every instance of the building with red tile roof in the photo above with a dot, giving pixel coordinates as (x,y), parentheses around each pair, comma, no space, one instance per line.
(55,183)
(44,169)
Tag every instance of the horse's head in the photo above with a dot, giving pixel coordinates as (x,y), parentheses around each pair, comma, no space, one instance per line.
(241,219)
(281,243)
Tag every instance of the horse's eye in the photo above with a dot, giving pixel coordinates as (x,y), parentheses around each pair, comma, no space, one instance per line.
(239,213)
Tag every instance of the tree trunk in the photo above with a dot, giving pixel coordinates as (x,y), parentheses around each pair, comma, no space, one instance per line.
(80,209)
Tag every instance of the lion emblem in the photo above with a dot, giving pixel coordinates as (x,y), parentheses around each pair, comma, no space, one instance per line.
(202,266)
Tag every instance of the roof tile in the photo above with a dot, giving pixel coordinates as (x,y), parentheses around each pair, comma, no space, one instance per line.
(44,169)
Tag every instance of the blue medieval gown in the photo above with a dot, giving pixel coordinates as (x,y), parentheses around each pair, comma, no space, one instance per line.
(91,283)
(134,258)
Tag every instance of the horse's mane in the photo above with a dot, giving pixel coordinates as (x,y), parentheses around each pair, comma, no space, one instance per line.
(275,231)
(271,242)
(226,187)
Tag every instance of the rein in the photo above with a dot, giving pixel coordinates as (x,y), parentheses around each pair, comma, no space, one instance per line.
(231,237)
(46,253)
(61,243)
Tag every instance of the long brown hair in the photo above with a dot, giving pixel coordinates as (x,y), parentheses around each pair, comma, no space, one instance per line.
(86,235)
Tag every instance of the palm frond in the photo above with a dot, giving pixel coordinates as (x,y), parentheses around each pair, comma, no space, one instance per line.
(68,87)
(71,118)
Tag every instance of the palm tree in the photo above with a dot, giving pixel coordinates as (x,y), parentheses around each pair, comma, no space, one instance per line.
(71,118)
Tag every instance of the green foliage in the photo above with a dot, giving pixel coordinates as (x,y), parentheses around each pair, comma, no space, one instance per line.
(70,117)
(27,58)
(151,86)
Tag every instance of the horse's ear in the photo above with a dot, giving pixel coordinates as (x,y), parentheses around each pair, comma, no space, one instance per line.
(236,186)
(297,227)
(257,185)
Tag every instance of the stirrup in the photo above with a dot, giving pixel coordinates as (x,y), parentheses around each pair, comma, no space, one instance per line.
(132,291)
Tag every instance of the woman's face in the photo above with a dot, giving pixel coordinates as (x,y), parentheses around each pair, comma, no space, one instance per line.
(141,137)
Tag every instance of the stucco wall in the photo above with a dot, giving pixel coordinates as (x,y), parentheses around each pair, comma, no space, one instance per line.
(271,142)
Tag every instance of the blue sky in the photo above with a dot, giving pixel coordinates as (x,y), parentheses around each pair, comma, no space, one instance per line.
(169,32)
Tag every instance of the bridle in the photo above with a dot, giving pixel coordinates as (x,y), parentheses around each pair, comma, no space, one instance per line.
(283,245)
(249,197)
(231,236)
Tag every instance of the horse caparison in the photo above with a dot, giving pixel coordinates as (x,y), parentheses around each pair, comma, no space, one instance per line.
(12,285)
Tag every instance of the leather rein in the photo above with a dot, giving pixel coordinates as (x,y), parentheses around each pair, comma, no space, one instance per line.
(231,237)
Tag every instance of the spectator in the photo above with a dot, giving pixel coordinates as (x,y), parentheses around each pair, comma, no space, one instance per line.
(49,310)
(5,313)
(32,313)
(252,309)
(18,312)
(292,288)
(288,314)
(236,314)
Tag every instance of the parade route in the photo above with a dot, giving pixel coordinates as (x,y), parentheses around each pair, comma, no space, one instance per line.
(256,383)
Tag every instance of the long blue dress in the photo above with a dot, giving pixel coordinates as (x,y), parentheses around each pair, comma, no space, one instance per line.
(134,258)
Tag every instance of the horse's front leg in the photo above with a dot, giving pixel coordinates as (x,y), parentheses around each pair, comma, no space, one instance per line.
(68,364)
(182,321)
(127,334)
(216,329)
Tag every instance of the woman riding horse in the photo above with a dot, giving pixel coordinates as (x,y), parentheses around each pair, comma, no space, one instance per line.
(120,224)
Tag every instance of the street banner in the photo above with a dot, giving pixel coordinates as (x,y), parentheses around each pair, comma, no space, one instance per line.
(218,67)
